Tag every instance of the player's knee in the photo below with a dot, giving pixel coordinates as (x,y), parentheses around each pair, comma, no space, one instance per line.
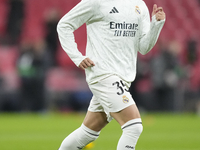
(93,135)
(138,129)
(134,130)
(133,127)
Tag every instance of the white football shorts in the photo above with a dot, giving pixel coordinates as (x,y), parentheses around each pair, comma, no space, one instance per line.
(110,95)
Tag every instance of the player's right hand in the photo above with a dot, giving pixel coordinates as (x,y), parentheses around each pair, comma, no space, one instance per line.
(87,62)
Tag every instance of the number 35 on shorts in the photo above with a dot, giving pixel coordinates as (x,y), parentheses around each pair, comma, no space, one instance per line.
(121,87)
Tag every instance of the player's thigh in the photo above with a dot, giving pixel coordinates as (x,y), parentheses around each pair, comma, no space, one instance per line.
(129,113)
(95,120)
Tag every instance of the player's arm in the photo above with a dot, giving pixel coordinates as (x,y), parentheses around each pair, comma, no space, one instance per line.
(150,30)
(71,21)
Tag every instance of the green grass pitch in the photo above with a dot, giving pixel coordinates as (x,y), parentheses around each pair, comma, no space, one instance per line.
(46,131)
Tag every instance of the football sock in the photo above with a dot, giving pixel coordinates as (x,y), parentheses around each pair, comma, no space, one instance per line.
(79,138)
(131,132)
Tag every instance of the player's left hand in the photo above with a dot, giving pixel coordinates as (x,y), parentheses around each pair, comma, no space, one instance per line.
(159,12)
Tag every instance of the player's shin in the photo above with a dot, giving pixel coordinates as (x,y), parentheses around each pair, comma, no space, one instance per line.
(79,138)
(131,132)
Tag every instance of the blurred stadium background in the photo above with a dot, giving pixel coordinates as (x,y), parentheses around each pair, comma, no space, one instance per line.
(37,76)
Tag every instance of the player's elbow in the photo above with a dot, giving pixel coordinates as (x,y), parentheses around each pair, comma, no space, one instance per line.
(59,26)
(144,51)
(145,48)
(64,27)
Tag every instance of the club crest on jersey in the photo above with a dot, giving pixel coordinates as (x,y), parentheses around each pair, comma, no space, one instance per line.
(125,99)
(137,10)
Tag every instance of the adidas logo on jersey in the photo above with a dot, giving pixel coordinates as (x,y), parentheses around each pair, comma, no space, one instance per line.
(114,10)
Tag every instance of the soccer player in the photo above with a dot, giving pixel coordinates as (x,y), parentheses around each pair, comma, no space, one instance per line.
(116,31)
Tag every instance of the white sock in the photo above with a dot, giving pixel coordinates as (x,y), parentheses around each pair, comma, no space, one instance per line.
(131,132)
(79,138)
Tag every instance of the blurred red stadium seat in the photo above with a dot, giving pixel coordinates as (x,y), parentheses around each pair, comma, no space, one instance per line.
(60,79)
(3,16)
(8,58)
(8,69)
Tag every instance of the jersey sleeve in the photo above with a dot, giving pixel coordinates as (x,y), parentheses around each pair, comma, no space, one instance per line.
(149,31)
(77,16)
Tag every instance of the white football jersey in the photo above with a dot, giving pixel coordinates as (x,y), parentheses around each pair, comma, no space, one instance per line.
(116,31)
